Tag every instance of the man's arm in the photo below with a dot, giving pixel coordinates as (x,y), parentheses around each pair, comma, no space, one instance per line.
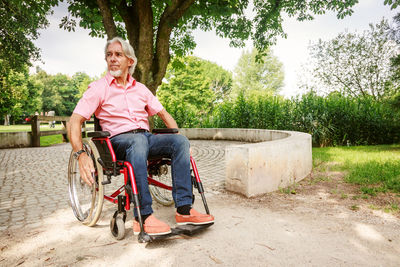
(167,119)
(86,167)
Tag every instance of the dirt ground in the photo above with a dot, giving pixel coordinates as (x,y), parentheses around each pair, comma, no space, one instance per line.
(318,222)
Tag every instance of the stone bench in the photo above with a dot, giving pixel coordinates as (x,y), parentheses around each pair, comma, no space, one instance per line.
(271,160)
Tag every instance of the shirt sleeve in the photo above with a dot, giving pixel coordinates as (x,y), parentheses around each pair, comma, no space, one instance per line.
(89,102)
(153,104)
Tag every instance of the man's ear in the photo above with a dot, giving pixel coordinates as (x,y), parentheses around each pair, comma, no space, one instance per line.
(131,61)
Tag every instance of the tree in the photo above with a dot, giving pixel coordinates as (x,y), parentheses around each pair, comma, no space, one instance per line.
(263,76)
(68,92)
(192,87)
(33,102)
(58,93)
(395,62)
(20,24)
(356,64)
(159,30)
(14,92)
(81,81)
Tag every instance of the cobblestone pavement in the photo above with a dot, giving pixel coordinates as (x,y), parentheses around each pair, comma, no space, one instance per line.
(33,181)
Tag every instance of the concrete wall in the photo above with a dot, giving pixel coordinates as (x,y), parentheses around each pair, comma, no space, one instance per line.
(15,139)
(272,160)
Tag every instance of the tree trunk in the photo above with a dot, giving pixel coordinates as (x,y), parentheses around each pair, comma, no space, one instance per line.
(7,120)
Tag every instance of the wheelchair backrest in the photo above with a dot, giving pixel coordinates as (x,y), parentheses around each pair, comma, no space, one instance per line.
(104,151)
(97,126)
(103,146)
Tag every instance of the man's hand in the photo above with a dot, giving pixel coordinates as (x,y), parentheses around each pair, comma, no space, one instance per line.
(86,168)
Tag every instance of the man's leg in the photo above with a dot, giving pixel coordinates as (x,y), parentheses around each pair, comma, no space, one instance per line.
(177,148)
(134,148)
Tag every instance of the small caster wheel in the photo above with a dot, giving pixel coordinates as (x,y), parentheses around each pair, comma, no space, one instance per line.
(117,227)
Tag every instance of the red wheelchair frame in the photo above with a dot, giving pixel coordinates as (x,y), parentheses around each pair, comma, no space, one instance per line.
(111,166)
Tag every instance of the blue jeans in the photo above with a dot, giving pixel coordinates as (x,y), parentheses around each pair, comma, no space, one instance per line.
(137,147)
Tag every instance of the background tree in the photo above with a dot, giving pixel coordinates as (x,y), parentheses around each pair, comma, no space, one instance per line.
(80,81)
(264,75)
(158,29)
(33,102)
(357,64)
(58,93)
(20,24)
(14,92)
(395,62)
(192,87)
(68,92)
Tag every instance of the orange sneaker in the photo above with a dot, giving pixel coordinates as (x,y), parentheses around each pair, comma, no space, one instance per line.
(195,218)
(152,226)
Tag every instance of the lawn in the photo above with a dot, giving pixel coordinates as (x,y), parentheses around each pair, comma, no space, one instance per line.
(374,168)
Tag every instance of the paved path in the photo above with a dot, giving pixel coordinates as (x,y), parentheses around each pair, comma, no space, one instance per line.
(33,181)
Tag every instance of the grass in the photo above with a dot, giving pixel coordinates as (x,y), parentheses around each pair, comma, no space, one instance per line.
(51,140)
(374,168)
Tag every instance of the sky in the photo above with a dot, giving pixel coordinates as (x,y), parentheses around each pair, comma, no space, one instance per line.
(69,52)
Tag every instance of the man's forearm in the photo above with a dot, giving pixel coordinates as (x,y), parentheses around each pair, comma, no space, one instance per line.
(74,131)
(167,119)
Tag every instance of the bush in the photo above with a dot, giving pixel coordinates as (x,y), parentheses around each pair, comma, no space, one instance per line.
(331,120)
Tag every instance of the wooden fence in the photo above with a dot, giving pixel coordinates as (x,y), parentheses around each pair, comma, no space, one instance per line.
(36,133)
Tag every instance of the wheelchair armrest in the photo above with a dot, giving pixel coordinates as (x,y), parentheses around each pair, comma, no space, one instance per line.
(98,134)
(165,131)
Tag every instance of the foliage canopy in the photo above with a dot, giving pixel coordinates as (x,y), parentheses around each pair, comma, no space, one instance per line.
(159,29)
(193,87)
(20,24)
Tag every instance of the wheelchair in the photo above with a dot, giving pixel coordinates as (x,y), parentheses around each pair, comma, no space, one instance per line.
(87,202)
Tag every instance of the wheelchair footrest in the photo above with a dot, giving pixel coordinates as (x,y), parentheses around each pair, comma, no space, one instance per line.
(188,229)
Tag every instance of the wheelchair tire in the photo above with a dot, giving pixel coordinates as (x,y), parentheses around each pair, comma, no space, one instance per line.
(161,195)
(117,227)
(86,202)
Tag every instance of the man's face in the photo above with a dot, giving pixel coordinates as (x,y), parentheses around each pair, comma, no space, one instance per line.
(117,63)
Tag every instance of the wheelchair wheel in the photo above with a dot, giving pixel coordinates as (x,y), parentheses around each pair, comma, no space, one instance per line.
(117,227)
(161,195)
(86,201)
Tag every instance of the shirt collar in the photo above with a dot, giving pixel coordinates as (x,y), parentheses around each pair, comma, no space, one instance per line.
(110,79)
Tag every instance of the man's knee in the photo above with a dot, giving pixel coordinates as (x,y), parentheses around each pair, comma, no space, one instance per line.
(181,141)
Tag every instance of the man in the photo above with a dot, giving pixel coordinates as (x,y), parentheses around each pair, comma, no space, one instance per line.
(123,106)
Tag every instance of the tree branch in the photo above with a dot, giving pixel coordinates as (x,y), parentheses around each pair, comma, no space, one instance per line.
(107,17)
(129,16)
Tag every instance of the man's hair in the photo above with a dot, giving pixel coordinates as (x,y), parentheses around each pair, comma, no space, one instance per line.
(128,51)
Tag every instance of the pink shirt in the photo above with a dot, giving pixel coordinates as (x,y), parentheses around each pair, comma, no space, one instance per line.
(118,109)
